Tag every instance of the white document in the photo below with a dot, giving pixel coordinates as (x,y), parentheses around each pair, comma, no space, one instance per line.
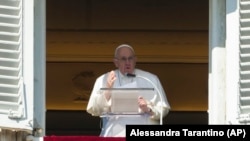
(124,100)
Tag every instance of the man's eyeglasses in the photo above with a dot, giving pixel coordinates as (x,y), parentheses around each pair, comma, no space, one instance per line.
(124,59)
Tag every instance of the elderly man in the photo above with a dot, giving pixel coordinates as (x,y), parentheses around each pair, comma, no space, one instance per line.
(151,110)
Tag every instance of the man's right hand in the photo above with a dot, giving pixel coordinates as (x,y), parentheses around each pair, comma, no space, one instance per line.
(111,79)
(110,82)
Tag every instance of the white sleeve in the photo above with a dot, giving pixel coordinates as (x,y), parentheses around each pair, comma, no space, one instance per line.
(97,103)
(157,106)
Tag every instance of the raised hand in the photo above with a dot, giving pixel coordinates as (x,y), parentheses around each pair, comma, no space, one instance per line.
(111,79)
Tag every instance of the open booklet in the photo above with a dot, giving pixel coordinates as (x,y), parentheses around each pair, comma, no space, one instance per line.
(124,100)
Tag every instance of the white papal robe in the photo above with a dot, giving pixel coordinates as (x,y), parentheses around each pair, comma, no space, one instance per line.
(115,125)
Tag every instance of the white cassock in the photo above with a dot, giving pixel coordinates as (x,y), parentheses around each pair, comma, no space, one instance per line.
(115,125)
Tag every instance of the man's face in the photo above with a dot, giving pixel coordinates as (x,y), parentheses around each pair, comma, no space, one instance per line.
(125,60)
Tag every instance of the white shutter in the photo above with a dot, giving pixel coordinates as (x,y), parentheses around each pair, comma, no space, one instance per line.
(12,101)
(244,98)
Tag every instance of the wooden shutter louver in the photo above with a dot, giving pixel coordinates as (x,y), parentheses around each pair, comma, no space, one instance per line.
(244,98)
(11,84)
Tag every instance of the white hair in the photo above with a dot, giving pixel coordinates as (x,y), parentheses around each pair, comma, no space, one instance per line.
(123,45)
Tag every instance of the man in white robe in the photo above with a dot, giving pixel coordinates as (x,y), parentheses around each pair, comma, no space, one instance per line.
(151,110)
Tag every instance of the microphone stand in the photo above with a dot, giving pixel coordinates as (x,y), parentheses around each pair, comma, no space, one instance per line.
(161,114)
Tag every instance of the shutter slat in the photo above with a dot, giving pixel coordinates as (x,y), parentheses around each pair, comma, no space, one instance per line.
(244,90)
(11,91)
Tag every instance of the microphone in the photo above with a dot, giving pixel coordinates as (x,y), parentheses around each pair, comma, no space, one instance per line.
(158,92)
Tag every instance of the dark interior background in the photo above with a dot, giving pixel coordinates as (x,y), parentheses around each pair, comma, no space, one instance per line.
(169,37)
